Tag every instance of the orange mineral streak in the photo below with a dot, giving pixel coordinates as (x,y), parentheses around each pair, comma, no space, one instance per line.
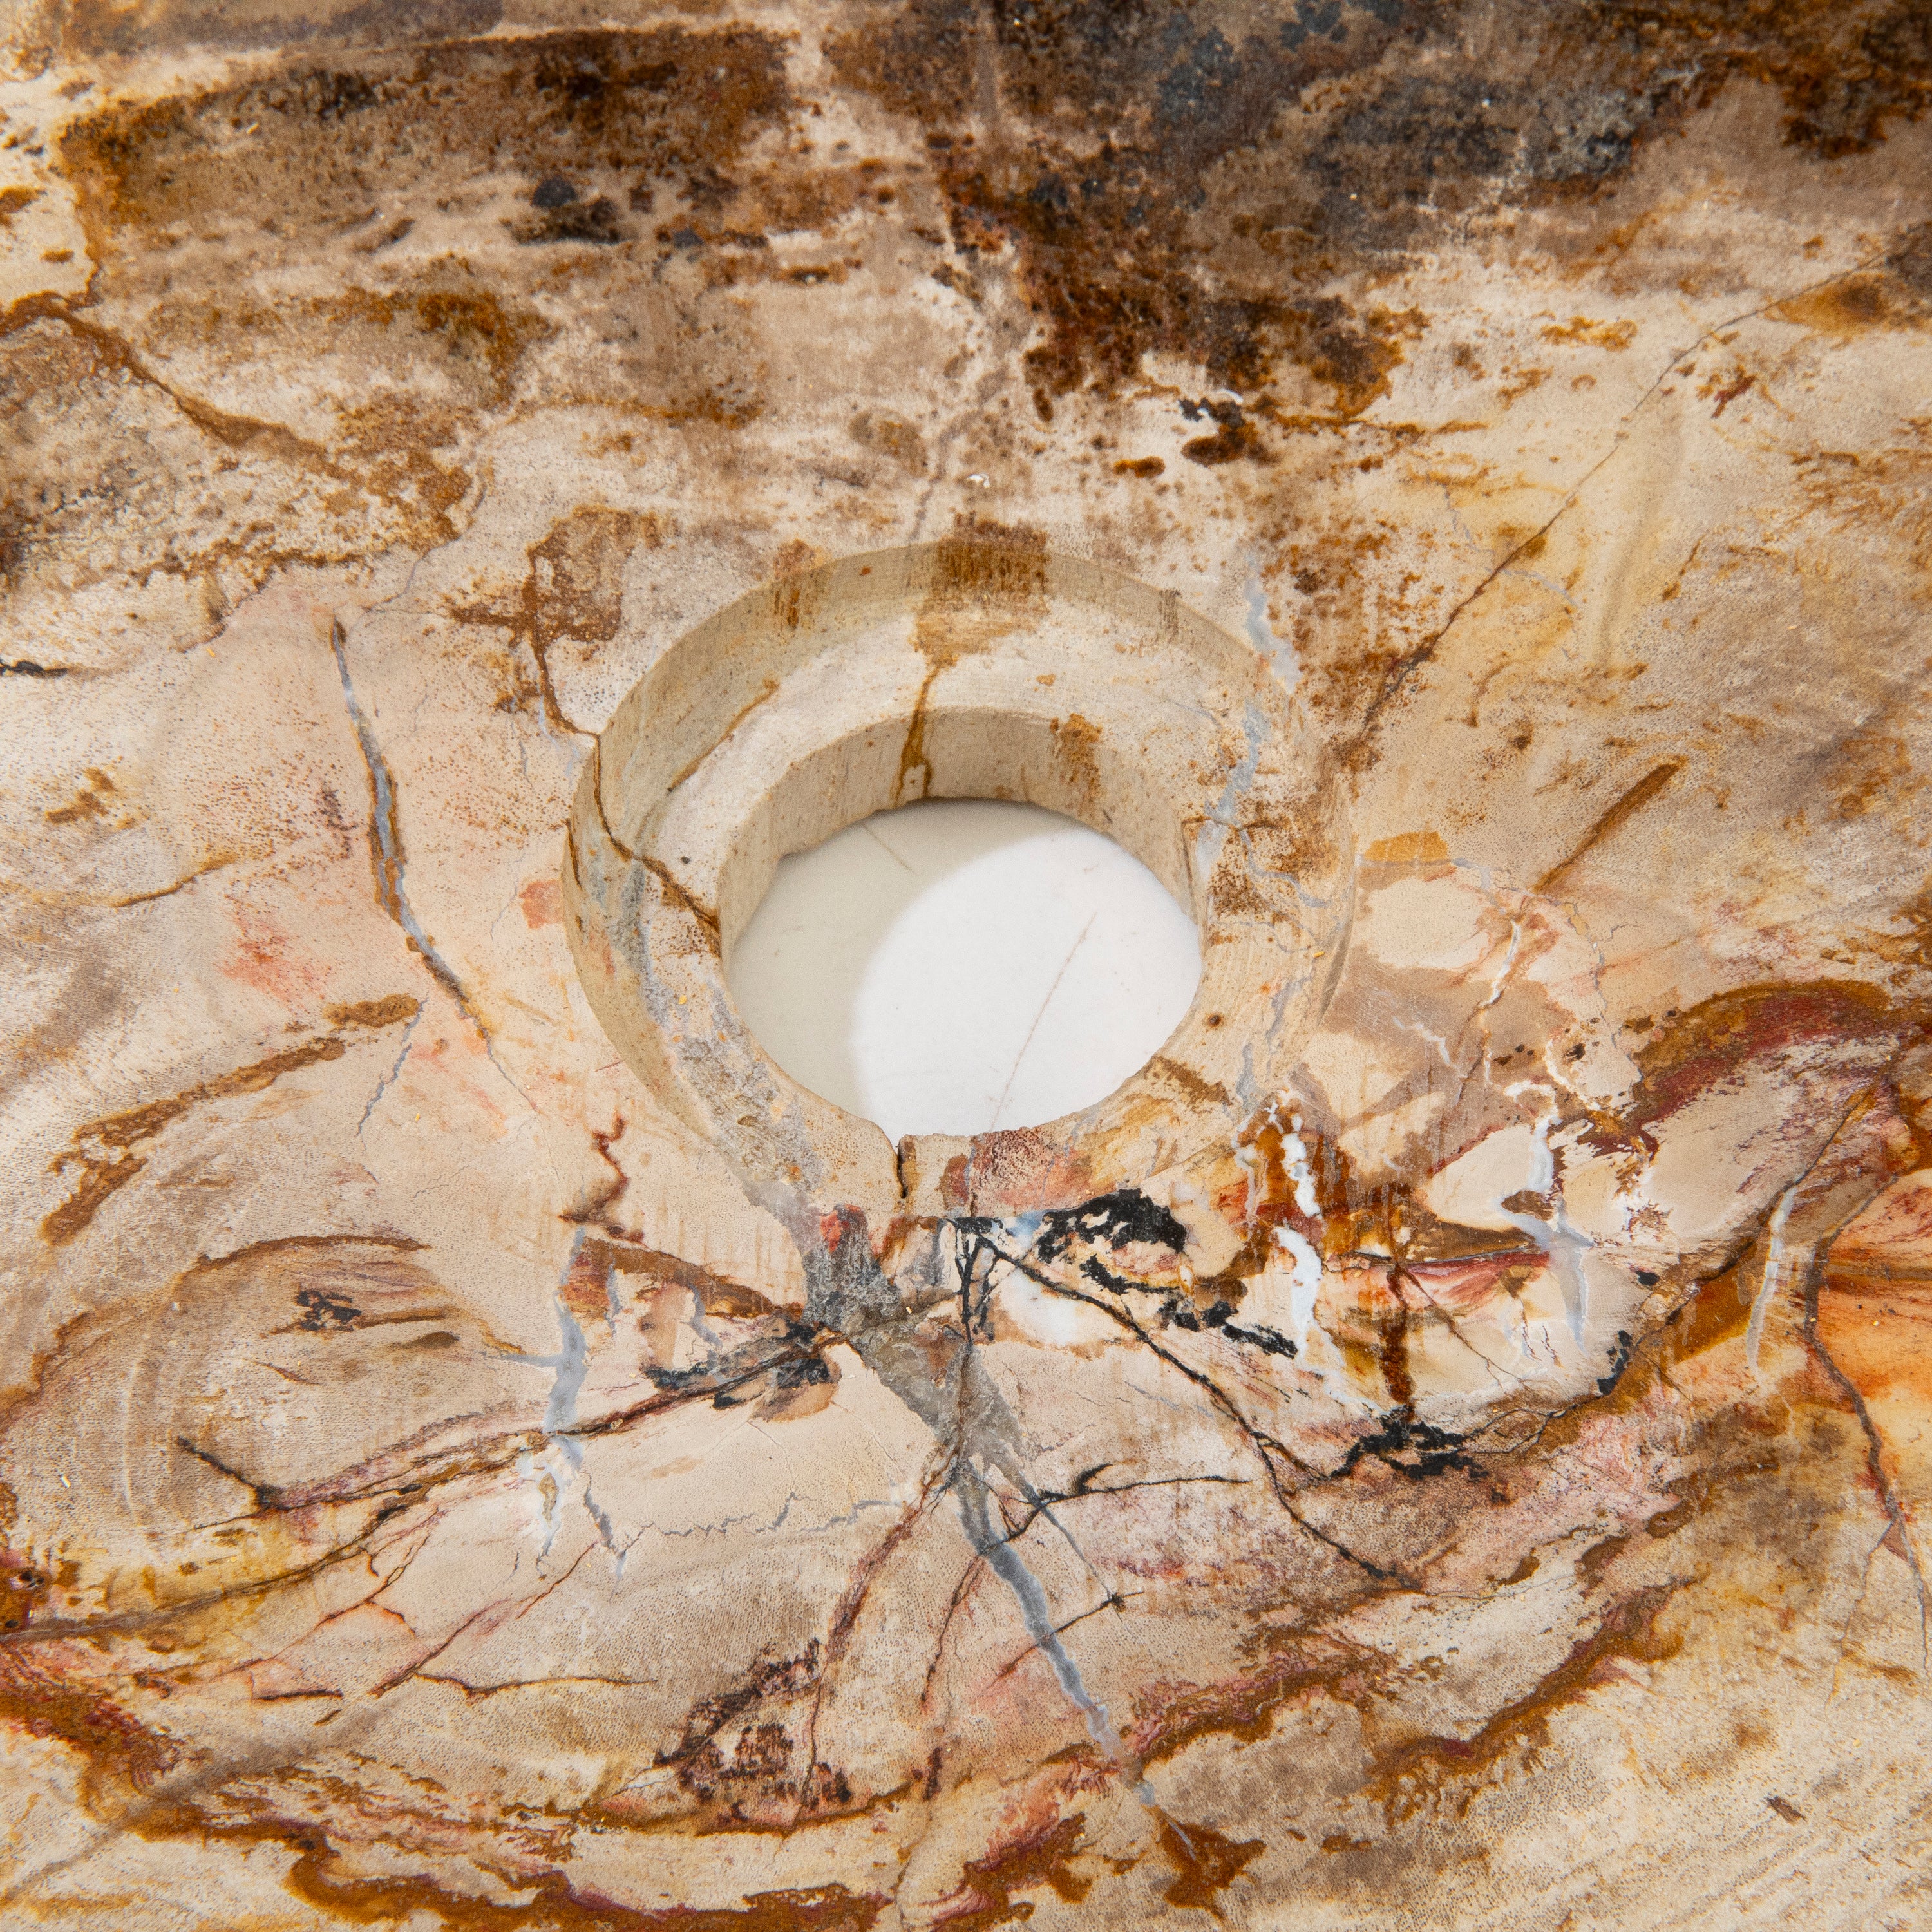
(317,1877)
(1874,1319)
(988,580)
(102,1149)
(1043,1858)
(574,588)
(1689,1053)
(1205,1864)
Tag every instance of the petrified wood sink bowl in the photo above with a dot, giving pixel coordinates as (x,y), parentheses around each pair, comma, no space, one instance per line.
(1448,1442)
(974,668)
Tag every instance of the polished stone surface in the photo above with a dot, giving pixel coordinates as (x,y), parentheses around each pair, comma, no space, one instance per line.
(1487,1486)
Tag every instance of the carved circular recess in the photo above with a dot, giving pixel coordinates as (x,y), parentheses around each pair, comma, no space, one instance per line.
(980,668)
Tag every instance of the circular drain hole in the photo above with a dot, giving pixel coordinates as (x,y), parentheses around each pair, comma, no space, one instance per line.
(963,965)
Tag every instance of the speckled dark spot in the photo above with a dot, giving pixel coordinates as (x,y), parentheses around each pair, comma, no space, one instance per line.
(1240,175)
(569,111)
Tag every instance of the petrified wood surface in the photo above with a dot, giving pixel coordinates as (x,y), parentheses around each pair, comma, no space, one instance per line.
(1450,1449)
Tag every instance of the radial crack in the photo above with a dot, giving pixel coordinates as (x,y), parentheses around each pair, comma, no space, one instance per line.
(386,857)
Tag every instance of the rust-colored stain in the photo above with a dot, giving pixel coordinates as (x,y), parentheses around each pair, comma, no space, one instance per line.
(1849,306)
(988,580)
(1686,1053)
(637,103)
(91,801)
(102,1149)
(103,1152)
(1412,1776)
(1387,144)
(1408,848)
(1074,740)
(542,903)
(1044,1858)
(110,1741)
(553,1901)
(574,588)
(1624,807)
(1205,1864)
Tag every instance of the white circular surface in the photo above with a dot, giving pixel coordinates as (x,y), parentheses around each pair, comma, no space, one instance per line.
(960,965)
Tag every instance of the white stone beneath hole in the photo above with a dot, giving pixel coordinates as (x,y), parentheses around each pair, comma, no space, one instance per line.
(960,965)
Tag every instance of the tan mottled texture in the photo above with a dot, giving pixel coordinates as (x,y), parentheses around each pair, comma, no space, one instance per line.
(1452,1452)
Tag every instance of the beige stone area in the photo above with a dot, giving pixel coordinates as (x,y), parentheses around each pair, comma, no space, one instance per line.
(1449,1444)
